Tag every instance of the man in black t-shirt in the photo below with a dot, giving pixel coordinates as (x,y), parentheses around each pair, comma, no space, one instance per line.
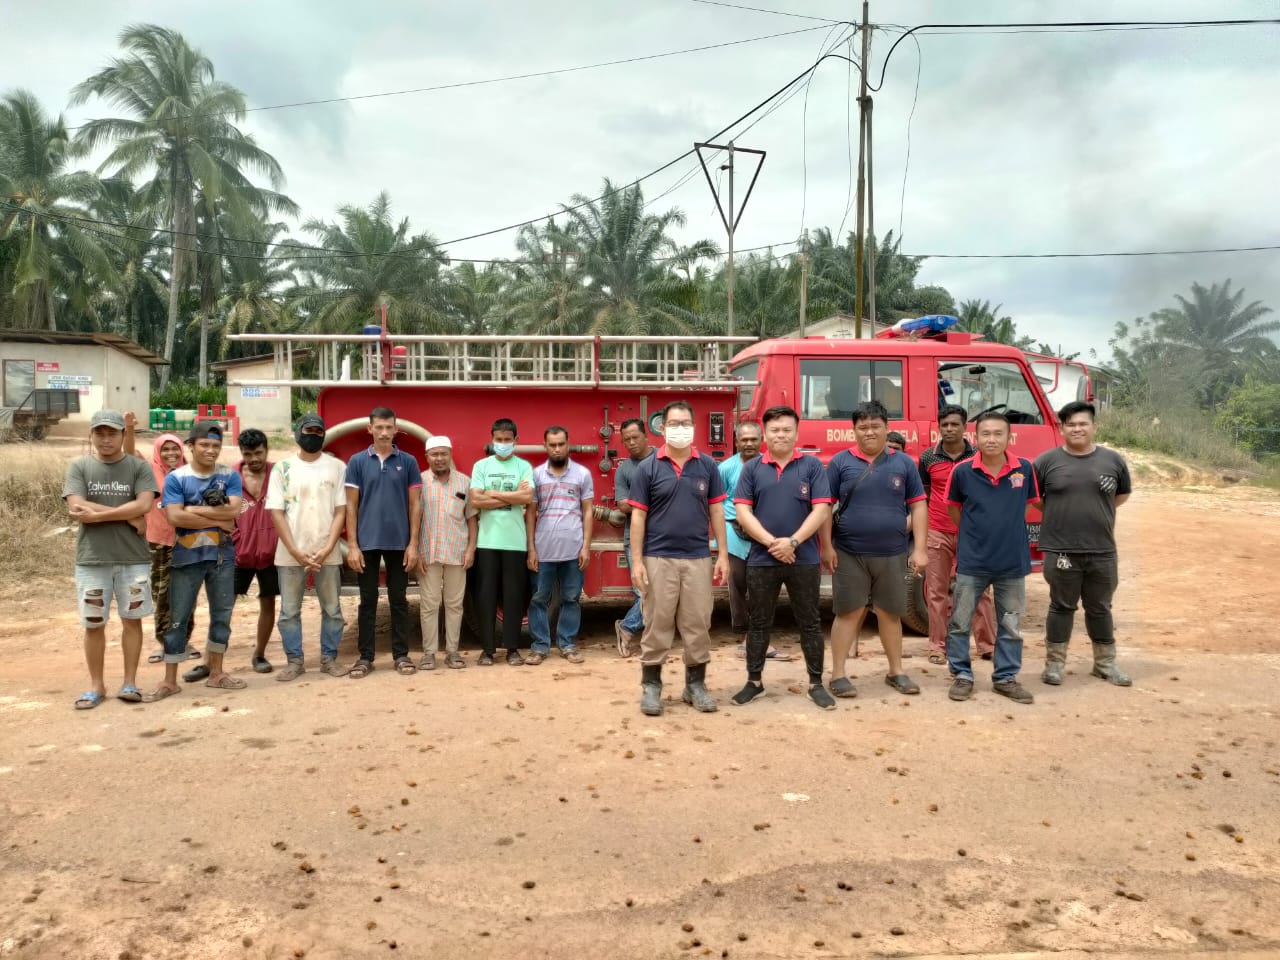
(1081,485)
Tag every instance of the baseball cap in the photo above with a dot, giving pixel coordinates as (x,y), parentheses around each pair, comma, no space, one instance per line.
(107,418)
(310,420)
(205,430)
(436,441)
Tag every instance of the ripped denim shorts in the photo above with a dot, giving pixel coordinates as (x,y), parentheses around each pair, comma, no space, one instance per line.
(129,583)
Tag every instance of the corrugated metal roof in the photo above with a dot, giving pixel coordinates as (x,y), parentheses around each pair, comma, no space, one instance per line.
(116,342)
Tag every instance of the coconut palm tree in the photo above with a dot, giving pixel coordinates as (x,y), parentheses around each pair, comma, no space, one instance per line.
(1217,332)
(137,296)
(181,129)
(42,210)
(363,261)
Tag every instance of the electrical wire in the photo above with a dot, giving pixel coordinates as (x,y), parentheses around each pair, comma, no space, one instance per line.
(776,13)
(906,165)
(1102,253)
(489,80)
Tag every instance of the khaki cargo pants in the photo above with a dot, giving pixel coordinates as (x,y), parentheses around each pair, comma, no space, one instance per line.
(678,599)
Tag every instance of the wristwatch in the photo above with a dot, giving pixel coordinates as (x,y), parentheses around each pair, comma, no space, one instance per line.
(795,544)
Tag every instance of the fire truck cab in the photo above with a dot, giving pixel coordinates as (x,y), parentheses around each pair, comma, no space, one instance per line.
(591,385)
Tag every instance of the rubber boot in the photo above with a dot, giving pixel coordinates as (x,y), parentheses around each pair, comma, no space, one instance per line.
(1104,665)
(1055,660)
(651,685)
(695,690)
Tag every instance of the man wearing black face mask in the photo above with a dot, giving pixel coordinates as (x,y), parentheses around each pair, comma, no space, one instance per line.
(308,502)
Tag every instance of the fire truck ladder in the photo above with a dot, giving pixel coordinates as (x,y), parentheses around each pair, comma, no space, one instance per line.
(689,363)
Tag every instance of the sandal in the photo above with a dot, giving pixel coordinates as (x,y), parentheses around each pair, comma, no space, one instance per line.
(486,660)
(261,665)
(225,681)
(937,659)
(193,653)
(333,668)
(405,667)
(360,669)
(533,659)
(572,655)
(454,662)
(292,670)
(843,687)
(88,700)
(514,659)
(903,684)
(428,662)
(157,657)
(197,673)
(162,691)
(129,694)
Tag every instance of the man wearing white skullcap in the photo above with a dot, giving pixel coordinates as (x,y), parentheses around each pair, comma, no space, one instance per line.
(448,538)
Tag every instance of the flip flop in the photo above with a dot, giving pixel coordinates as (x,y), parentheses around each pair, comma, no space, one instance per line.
(937,659)
(157,657)
(88,700)
(193,653)
(129,694)
(226,682)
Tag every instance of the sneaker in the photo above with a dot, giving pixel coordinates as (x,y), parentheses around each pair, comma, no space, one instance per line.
(625,638)
(961,689)
(818,694)
(1014,691)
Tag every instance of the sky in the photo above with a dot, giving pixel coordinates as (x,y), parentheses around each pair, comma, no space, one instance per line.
(1018,143)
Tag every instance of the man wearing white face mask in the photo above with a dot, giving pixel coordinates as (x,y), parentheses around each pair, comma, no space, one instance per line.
(675,496)
(501,487)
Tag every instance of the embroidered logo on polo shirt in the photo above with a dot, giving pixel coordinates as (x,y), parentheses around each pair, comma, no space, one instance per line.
(804,489)
(896,482)
(702,486)
(1015,480)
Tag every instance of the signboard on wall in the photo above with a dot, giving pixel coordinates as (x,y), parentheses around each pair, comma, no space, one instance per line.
(259,393)
(47,366)
(66,381)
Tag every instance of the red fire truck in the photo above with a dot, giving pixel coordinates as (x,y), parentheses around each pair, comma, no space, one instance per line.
(590,385)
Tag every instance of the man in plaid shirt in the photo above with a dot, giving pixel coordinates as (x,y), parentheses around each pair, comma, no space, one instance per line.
(448,539)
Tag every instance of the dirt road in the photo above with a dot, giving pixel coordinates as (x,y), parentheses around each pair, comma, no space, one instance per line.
(533,812)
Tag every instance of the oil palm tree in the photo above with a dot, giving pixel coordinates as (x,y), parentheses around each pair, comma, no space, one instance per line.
(1217,332)
(42,209)
(367,260)
(181,130)
(978,316)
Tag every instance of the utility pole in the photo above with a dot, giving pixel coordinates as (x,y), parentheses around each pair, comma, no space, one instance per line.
(858,280)
(734,215)
(804,290)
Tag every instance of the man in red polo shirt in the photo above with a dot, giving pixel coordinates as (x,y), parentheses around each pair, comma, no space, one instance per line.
(783,503)
(675,495)
(936,465)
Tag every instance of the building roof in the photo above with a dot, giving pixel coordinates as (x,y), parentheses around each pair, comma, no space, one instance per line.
(257,358)
(123,344)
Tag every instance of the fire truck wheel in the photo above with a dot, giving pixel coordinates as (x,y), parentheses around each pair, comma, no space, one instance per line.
(916,617)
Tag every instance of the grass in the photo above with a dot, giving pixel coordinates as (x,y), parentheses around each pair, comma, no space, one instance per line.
(30,507)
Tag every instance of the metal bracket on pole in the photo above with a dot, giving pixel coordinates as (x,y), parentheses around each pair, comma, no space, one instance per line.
(734,215)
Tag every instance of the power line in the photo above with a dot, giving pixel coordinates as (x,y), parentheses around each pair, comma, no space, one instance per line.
(1078,26)
(1103,253)
(776,13)
(490,80)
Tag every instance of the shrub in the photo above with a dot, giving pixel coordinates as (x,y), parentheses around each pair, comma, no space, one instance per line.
(1188,433)
(31,506)
(187,394)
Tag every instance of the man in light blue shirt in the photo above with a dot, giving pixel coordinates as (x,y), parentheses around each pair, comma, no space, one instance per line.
(746,437)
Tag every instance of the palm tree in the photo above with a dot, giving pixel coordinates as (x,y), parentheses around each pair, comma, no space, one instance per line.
(1216,333)
(548,286)
(374,261)
(182,129)
(252,289)
(474,300)
(43,209)
(136,301)
(766,297)
(630,264)
(978,316)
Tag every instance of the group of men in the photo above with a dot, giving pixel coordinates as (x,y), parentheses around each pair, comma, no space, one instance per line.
(775,518)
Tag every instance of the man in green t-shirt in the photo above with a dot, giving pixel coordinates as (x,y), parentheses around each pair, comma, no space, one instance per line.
(501,487)
(109,495)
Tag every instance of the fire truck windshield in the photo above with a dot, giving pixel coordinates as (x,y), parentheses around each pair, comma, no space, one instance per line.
(989,385)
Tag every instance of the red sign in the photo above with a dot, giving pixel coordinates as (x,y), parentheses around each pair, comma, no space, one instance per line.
(45,366)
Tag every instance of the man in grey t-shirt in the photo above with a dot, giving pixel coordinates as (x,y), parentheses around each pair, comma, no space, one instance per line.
(109,495)
(1081,484)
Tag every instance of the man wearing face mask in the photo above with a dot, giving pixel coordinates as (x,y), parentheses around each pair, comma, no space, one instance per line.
(501,488)
(675,495)
(308,501)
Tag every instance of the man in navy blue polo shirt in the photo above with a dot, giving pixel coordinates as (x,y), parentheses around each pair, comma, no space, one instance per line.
(987,499)
(384,511)
(876,489)
(675,495)
(783,503)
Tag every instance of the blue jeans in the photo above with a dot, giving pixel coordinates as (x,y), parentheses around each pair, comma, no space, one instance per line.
(219,580)
(293,583)
(633,622)
(1011,598)
(569,577)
